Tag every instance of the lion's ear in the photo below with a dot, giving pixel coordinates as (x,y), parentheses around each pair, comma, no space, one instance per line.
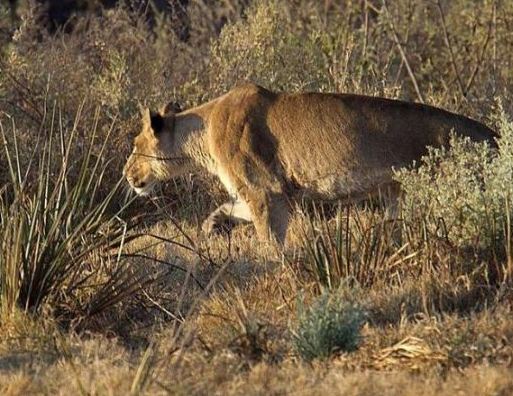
(156,122)
(172,107)
(141,108)
(145,116)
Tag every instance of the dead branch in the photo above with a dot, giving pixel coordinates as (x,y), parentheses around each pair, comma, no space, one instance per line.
(449,46)
(403,53)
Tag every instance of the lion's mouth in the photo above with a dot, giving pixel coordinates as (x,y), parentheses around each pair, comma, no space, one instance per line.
(145,191)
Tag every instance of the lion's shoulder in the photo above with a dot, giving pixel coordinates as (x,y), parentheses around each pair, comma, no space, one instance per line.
(245,103)
(249,89)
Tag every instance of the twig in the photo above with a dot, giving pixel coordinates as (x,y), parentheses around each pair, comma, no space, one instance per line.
(174,266)
(481,55)
(163,309)
(494,18)
(25,92)
(366,31)
(449,47)
(403,53)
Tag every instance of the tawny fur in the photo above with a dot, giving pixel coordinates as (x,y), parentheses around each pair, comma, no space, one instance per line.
(269,149)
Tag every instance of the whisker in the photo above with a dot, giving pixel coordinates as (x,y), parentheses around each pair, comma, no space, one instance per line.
(160,158)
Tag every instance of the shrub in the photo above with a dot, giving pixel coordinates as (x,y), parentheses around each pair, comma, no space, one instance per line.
(329,326)
(464,191)
(114,60)
(266,49)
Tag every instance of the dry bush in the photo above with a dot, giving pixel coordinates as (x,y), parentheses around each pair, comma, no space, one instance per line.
(265,49)
(400,50)
(114,61)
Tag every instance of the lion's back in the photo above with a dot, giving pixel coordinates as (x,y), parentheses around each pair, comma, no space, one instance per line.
(328,144)
(338,143)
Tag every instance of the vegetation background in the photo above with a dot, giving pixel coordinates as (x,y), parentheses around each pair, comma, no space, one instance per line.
(101,293)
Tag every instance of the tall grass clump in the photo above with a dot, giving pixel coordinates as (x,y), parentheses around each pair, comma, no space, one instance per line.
(61,234)
(358,247)
(330,325)
(464,192)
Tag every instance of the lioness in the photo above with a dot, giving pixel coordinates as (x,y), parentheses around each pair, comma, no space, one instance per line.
(268,148)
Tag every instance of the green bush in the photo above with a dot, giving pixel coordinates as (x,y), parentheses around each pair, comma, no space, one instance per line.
(465,191)
(330,325)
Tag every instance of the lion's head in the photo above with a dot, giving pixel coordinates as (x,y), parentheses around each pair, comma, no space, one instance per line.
(153,157)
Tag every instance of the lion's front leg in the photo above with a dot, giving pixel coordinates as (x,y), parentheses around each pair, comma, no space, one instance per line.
(235,211)
(271,214)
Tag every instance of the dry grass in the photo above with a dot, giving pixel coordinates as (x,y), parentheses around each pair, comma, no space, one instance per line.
(238,338)
(218,314)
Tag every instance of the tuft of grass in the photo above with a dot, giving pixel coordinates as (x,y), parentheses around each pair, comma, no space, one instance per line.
(359,248)
(59,228)
(329,326)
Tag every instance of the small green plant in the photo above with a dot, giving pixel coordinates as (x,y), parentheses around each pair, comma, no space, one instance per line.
(330,325)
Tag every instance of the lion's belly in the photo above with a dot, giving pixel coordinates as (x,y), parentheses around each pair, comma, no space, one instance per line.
(341,185)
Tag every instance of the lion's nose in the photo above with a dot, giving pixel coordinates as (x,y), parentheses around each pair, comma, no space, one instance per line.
(136,183)
(139,184)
